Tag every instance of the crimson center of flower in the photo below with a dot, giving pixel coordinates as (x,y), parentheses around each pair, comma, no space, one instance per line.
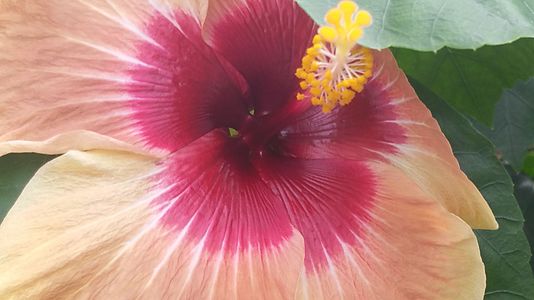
(271,160)
(186,92)
(259,132)
(183,90)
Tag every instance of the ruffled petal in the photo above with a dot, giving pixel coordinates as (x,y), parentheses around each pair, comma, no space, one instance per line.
(371,233)
(426,155)
(130,72)
(387,122)
(264,40)
(114,225)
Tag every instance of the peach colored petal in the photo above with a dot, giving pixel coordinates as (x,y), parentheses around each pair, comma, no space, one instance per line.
(63,68)
(82,139)
(426,156)
(96,233)
(412,248)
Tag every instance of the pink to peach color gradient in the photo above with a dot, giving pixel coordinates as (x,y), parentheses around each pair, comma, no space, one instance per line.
(152,198)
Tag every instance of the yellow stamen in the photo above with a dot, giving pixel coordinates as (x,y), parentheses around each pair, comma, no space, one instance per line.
(335,68)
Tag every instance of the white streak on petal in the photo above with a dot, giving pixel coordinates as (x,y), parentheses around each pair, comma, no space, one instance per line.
(332,271)
(352,261)
(89,74)
(121,56)
(236,265)
(391,83)
(377,73)
(166,12)
(126,24)
(304,284)
(402,100)
(406,122)
(251,268)
(217,268)
(197,253)
(319,284)
(170,251)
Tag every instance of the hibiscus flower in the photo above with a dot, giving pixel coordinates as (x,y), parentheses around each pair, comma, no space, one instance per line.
(191,170)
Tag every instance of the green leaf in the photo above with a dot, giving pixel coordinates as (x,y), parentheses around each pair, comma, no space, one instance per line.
(15,172)
(524,192)
(528,165)
(471,81)
(506,251)
(429,25)
(514,123)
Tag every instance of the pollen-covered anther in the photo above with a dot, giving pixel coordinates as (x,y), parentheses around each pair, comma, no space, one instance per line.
(335,68)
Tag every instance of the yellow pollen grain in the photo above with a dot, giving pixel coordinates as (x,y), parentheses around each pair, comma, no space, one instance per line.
(328,34)
(348,7)
(315,91)
(335,68)
(355,34)
(363,18)
(333,16)
(316,101)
